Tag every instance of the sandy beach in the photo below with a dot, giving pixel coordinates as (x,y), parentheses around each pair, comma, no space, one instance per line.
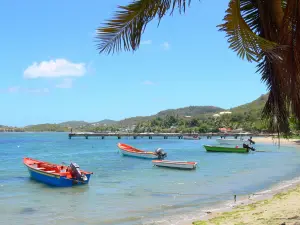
(282,208)
(276,141)
(277,206)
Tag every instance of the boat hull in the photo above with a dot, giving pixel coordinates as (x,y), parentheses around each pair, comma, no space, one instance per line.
(210,148)
(55,180)
(138,155)
(128,150)
(53,174)
(175,164)
(231,141)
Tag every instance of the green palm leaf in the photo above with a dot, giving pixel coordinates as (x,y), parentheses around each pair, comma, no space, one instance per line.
(240,36)
(125,29)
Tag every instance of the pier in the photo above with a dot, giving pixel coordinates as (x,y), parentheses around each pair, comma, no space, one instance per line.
(152,135)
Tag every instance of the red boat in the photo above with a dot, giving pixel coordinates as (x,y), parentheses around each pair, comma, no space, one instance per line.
(128,150)
(56,175)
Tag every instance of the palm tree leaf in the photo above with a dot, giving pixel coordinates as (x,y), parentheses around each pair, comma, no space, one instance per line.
(283,4)
(125,29)
(276,111)
(250,13)
(240,36)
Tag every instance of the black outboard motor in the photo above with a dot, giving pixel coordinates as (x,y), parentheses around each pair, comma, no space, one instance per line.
(251,142)
(76,172)
(160,153)
(248,147)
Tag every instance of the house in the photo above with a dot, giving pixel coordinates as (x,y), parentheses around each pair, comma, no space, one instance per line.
(223,113)
(224,130)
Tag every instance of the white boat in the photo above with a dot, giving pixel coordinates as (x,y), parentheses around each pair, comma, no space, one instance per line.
(231,141)
(194,137)
(239,140)
(175,164)
(128,150)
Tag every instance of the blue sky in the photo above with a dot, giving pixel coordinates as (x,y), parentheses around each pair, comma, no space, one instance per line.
(52,72)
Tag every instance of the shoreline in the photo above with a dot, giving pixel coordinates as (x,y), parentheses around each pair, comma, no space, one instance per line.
(275,141)
(266,204)
(276,207)
(214,214)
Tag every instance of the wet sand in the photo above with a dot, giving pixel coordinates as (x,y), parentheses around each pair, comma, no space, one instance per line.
(282,208)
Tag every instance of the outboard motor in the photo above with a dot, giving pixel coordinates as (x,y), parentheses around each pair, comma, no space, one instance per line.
(251,142)
(160,153)
(248,147)
(76,172)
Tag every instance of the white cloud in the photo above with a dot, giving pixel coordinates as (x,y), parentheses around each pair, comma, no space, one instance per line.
(148,82)
(147,42)
(66,83)
(166,45)
(55,68)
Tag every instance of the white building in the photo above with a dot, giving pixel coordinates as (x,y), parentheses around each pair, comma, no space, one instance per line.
(226,112)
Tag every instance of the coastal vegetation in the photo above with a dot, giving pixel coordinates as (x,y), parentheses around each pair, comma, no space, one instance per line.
(265,32)
(192,119)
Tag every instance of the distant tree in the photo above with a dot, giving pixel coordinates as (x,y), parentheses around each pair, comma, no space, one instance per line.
(194,122)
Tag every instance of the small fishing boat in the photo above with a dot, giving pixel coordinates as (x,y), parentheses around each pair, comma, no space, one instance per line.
(194,137)
(56,175)
(128,150)
(235,141)
(236,149)
(175,164)
(230,141)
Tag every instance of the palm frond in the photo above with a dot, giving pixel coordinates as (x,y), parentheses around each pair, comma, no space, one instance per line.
(283,4)
(276,111)
(250,13)
(240,36)
(283,77)
(125,29)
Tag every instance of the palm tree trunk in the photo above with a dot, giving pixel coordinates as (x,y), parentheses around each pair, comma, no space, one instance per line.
(277,12)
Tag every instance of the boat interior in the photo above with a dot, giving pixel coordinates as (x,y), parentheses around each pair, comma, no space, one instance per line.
(131,149)
(50,168)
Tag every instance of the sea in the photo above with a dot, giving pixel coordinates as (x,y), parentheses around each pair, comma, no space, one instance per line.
(130,191)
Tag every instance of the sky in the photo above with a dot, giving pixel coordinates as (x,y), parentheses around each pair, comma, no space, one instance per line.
(52,72)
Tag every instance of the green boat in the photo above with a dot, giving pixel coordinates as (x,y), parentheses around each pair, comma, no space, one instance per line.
(210,148)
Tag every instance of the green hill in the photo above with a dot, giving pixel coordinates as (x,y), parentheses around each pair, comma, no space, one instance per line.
(46,127)
(74,123)
(240,114)
(194,111)
(105,122)
(254,106)
(190,111)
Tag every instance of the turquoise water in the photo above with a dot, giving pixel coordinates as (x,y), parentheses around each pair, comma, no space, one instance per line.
(126,190)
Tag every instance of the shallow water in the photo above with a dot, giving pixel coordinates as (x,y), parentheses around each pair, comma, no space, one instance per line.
(126,190)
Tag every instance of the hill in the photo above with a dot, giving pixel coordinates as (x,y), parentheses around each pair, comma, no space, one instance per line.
(46,127)
(254,106)
(104,122)
(207,119)
(74,123)
(201,113)
(194,111)
(190,111)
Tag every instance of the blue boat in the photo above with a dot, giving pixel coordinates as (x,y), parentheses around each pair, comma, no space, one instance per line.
(56,175)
